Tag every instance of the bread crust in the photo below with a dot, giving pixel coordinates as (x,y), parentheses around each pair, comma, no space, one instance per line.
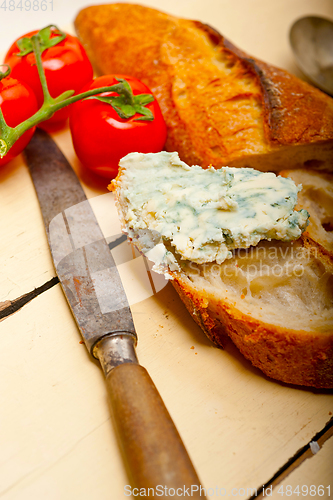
(221,106)
(291,356)
(316,196)
(281,95)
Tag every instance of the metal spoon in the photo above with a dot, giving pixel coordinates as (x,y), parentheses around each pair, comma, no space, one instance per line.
(311,39)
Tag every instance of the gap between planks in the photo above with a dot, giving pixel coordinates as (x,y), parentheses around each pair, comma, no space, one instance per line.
(10,307)
(300,456)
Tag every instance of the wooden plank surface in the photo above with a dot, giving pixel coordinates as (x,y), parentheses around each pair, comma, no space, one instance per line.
(238,426)
(25,259)
(56,435)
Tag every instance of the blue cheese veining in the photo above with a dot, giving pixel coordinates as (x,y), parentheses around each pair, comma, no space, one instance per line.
(204,213)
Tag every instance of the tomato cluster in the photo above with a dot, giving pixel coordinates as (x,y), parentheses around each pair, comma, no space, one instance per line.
(104,127)
(66,66)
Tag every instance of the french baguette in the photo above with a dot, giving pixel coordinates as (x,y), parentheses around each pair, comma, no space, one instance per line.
(274,300)
(221,106)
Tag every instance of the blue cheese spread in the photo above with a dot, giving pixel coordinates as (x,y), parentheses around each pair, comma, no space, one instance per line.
(204,213)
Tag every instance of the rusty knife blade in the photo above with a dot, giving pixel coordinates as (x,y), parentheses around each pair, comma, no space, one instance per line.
(81,255)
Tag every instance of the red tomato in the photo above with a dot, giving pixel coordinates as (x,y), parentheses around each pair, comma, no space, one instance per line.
(66,67)
(101,137)
(18,103)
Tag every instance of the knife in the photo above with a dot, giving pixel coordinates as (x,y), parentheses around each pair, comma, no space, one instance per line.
(154,454)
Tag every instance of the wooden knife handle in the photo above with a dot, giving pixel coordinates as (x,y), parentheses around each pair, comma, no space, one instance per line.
(152,448)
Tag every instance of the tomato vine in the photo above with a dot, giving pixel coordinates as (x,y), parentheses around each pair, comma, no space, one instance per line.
(37,43)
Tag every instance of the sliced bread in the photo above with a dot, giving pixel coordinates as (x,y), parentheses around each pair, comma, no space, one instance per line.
(274,300)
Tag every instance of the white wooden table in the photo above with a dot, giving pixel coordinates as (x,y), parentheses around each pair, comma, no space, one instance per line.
(241,429)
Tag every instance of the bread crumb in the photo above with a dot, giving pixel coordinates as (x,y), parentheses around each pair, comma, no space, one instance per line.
(192,347)
(314,447)
(242,296)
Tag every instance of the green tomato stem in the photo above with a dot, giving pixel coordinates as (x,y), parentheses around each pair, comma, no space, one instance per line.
(9,135)
(3,148)
(2,120)
(41,73)
(4,74)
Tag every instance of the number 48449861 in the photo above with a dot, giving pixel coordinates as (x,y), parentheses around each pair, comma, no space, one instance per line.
(26,5)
